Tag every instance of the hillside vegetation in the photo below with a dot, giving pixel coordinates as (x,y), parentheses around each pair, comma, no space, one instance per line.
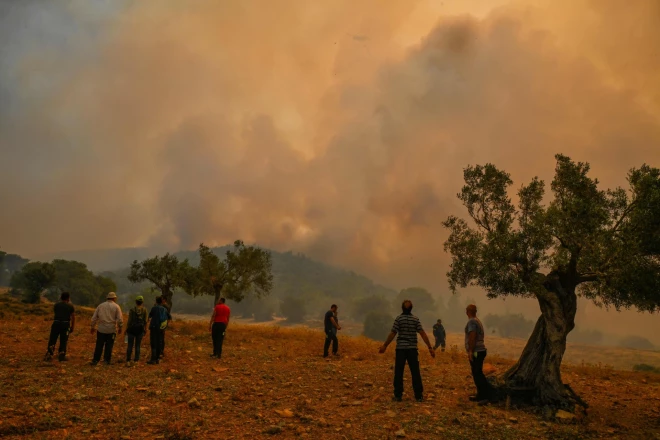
(273,383)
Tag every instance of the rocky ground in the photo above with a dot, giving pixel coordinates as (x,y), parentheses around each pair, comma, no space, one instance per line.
(273,382)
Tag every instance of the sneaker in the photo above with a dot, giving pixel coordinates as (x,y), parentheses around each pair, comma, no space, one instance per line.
(107,363)
(94,363)
(48,357)
(335,354)
(214,356)
(62,357)
(152,362)
(396,399)
(483,402)
(473,398)
(419,399)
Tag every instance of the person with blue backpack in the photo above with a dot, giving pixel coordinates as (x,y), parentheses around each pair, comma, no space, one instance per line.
(157,321)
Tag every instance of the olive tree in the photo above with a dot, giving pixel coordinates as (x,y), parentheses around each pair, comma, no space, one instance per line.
(603,245)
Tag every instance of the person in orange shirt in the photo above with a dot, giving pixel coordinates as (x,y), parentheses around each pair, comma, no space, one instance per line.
(218,326)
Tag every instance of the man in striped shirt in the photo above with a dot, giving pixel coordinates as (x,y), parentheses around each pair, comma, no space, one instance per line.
(407,325)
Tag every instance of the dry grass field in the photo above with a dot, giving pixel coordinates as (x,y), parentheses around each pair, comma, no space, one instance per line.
(273,383)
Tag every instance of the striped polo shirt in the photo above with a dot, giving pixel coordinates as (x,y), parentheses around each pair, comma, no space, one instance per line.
(406,326)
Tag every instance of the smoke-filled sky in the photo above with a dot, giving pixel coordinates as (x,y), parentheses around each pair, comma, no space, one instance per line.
(336,128)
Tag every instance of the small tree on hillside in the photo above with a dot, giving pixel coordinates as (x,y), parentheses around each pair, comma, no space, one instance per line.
(166,273)
(377,325)
(86,288)
(603,245)
(33,279)
(421,298)
(293,309)
(9,265)
(363,306)
(244,269)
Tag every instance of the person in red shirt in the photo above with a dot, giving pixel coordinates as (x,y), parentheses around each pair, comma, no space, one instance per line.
(218,326)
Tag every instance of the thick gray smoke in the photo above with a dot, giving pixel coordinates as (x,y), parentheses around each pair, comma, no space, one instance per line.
(339,129)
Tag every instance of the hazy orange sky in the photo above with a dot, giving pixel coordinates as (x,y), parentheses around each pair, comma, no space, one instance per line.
(335,128)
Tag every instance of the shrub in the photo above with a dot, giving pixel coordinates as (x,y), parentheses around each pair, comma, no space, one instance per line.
(377,325)
(510,325)
(636,343)
(646,368)
(591,337)
(293,309)
(264,312)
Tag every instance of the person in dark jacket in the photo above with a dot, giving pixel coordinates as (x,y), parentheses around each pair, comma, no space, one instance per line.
(439,334)
(136,329)
(63,323)
(168,307)
(157,317)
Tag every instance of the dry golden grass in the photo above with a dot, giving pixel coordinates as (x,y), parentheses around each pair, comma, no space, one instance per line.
(273,382)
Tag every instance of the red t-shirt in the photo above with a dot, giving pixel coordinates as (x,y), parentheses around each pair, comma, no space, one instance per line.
(222,313)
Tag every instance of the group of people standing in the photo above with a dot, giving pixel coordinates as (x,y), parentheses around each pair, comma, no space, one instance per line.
(108,322)
(406,327)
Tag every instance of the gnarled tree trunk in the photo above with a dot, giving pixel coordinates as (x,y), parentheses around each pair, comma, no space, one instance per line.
(538,369)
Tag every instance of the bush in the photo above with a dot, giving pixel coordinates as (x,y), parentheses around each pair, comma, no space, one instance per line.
(646,368)
(591,337)
(361,307)
(377,325)
(293,309)
(510,325)
(264,312)
(636,343)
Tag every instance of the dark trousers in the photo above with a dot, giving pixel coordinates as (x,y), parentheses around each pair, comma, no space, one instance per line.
(156,340)
(439,342)
(218,334)
(484,390)
(104,344)
(134,340)
(411,356)
(59,329)
(331,337)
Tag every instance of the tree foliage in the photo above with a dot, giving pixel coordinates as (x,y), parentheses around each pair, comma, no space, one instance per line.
(509,325)
(33,279)
(293,309)
(244,270)
(9,265)
(377,325)
(361,307)
(607,242)
(421,298)
(166,273)
(86,288)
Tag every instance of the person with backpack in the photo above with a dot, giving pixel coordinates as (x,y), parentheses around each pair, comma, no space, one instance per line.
(476,352)
(63,323)
(136,329)
(157,320)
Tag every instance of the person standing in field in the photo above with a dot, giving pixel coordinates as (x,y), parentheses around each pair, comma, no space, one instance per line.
(136,328)
(331,326)
(63,324)
(167,307)
(439,334)
(218,326)
(476,352)
(407,325)
(110,321)
(157,320)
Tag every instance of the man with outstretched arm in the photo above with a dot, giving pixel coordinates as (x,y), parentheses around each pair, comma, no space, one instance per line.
(218,326)
(407,325)
(476,352)
(63,324)
(110,322)
(331,326)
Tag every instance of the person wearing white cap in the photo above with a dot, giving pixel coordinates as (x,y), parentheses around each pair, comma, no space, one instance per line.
(110,322)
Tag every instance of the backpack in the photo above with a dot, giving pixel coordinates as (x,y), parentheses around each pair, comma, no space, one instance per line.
(163,317)
(138,327)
